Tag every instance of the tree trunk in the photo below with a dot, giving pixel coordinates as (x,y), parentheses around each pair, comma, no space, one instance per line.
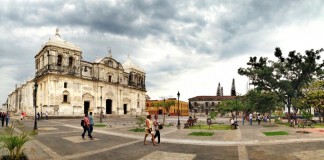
(288,106)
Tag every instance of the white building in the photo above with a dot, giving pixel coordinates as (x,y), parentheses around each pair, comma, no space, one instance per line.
(68,85)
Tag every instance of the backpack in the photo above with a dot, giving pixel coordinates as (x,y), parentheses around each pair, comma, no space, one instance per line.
(82,122)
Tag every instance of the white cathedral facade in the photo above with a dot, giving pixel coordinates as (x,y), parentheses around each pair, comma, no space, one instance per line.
(68,85)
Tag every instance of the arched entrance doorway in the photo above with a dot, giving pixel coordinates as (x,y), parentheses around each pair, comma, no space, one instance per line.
(108,106)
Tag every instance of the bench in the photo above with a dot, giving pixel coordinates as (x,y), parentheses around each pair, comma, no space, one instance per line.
(234,126)
(190,122)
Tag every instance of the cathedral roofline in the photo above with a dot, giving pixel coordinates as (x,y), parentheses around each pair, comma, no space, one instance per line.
(57,41)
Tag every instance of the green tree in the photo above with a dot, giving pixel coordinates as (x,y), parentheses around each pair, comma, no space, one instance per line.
(286,76)
(166,107)
(314,96)
(230,106)
(262,102)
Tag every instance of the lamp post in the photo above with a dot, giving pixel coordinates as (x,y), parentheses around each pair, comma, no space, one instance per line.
(163,106)
(101,104)
(236,109)
(35,100)
(178,111)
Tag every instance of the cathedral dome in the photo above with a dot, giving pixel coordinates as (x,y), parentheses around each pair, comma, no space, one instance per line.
(130,65)
(58,41)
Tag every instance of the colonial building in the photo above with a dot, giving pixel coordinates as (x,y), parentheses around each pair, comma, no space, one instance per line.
(68,85)
(202,105)
(152,109)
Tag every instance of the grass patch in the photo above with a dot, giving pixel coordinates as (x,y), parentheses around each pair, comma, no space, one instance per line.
(272,125)
(277,133)
(201,134)
(212,127)
(319,125)
(283,123)
(138,130)
(100,125)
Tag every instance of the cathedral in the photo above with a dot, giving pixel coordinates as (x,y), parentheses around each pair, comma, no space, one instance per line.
(65,84)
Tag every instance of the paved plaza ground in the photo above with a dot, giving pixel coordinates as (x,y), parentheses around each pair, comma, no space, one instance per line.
(61,139)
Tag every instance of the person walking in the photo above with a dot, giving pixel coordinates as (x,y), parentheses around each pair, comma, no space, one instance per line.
(156,128)
(22,116)
(86,126)
(46,115)
(2,114)
(91,122)
(38,115)
(148,130)
(259,119)
(250,118)
(7,119)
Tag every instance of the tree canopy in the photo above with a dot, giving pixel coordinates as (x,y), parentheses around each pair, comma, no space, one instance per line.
(285,76)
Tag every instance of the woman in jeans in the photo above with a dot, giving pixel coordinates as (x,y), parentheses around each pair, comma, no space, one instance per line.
(156,127)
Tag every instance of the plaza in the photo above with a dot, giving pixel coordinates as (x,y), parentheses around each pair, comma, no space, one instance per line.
(60,139)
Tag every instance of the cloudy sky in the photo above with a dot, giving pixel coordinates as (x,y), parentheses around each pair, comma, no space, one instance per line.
(189,46)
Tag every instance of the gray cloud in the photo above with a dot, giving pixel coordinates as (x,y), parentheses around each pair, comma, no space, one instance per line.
(217,29)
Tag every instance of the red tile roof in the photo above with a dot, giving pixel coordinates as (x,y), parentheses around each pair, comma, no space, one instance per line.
(211,98)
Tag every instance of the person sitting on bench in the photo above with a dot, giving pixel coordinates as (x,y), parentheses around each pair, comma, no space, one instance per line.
(233,124)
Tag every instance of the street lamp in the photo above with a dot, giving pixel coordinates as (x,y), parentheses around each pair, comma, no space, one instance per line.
(178,111)
(101,104)
(163,106)
(35,100)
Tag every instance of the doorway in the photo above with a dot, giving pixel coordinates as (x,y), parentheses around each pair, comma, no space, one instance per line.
(108,106)
(86,105)
(125,108)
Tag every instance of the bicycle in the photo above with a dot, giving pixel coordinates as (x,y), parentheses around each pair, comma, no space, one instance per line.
(305,124)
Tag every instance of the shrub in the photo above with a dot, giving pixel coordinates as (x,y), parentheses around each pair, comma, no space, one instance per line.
(13,140)
(140,121)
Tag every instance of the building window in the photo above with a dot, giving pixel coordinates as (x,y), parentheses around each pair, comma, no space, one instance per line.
(42,61)
(70,61)
(213,103)
(206,104)
(110,63)
(65,98)
(59,60)
(37,64)
(109,78)
(65,84)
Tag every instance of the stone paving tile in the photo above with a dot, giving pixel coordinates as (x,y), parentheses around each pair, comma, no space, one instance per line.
(139,151)
(283,151)
(59,144)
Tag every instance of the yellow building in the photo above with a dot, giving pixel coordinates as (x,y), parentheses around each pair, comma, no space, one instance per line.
(156,107)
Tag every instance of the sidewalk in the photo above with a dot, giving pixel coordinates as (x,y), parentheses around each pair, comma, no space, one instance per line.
(58,138)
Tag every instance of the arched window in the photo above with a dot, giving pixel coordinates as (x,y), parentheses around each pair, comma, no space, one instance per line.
(110,63)
(66,97)
(70,61)
(37,64)
(59,60)
(42,59)
(109,78)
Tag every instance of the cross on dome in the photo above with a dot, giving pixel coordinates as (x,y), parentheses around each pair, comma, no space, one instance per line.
(109,52)
(57,32)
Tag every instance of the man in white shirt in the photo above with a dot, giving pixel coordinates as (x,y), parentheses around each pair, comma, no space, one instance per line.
(233,123)
(250,118)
